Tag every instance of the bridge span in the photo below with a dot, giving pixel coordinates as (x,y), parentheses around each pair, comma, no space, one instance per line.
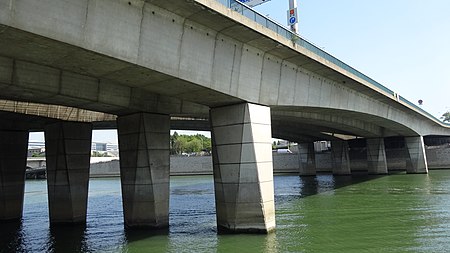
(142,66)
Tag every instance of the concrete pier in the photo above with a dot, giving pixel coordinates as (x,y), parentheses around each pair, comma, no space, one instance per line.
(242,164)
(340,158)
(144,168)
(68,150)
(13,159)
(416,162)
(307,159)
(376,156)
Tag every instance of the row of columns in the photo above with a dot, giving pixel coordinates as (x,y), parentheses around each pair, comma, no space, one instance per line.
(242,162)
(376,157)
(68,153)
(243,177)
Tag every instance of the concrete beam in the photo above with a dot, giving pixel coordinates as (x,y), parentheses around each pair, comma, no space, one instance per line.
(144,168)
(376,156)
(416,162)
(243,172)
(340,158)
(307,159)
(68,151)
(13,159)
(120,56)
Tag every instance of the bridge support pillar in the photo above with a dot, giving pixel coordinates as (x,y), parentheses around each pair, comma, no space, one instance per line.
(340,157)
(376,156)
(307,159)
(243,171)
(68,152)
(416,162)
(144,141)
(13,161)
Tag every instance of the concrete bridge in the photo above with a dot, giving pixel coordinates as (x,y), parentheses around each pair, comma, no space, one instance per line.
(144,66)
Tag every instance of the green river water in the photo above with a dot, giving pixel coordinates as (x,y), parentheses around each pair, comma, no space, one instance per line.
(396,213)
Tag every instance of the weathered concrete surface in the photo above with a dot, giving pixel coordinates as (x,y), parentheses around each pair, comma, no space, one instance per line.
(438,157)
(176,57)
(242,162)
(105,169)
(13,156)
(376,156)
(179,165)
(181,58)
(340,158)
(68,149)
(144,169)
(307,159)
(195,165)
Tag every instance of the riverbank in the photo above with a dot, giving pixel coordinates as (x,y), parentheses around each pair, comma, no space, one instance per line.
(437,157)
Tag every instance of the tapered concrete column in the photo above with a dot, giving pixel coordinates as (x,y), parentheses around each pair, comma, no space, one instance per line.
(376,156)
(13,161)
(416,162)
(144,169)
(340,158)
(68,151)
(307,159)
(243,172)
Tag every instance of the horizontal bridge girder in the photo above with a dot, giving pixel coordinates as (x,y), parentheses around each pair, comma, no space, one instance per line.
(210,59)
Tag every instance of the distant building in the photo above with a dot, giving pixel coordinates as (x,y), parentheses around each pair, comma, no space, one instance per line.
(35,151)
(321,146)
(112,147)
(36,144)
(98,146)
(38,147)
(104,146)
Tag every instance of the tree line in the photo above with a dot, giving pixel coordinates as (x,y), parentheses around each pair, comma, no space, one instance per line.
(180,144)
(446,117)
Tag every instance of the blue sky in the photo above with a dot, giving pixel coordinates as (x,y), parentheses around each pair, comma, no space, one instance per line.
(402,44)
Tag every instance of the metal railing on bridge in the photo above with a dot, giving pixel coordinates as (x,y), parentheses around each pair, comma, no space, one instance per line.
(295,38)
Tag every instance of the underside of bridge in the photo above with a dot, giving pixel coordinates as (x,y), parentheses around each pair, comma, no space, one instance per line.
(92,85)
(147,66)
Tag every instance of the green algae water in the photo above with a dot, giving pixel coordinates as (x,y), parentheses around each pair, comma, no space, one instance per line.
(396,213)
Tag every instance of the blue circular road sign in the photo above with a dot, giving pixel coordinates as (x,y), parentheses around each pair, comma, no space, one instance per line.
(292,20)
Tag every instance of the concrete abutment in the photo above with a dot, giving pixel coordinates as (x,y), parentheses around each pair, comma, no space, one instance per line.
(242,166)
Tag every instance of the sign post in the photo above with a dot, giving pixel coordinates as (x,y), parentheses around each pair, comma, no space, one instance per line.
(292,16)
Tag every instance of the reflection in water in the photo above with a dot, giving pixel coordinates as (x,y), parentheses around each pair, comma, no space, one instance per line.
(151,241)
(308,186)
(245,243)
(397,213)
(11,236)
(325,183)
(67,238)
(271,243)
